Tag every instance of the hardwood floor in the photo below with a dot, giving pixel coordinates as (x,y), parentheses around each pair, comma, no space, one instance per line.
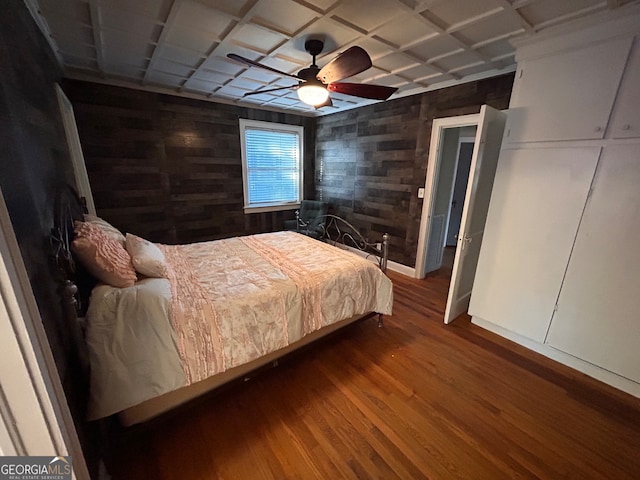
(415,399)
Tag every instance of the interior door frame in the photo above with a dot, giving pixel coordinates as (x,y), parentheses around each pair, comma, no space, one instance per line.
(430,184)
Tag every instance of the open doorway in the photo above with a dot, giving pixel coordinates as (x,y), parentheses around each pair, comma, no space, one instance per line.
(436,226)
(458,188)
(440,222)
(453,174)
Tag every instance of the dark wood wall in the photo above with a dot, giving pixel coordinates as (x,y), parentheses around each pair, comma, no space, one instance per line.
(34,162)
(169,168)
(371,161)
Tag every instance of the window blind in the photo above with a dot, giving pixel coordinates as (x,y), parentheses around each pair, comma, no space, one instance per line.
(273,166)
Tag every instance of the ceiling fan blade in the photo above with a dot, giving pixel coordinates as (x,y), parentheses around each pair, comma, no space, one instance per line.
(363,90)
(246,61)
(269,90)
(350,62)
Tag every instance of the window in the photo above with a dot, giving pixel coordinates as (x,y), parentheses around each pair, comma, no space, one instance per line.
(271,165)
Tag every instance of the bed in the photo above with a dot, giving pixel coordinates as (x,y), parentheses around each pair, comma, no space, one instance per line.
(193,317)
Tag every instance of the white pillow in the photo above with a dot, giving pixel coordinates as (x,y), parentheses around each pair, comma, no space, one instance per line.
(146,257)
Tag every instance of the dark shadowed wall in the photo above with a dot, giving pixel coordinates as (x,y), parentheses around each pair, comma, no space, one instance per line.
(34,162)
(371,161)
(169,168)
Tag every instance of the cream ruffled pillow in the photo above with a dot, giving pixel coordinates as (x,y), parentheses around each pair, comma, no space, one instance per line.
(147,258)
(103,256)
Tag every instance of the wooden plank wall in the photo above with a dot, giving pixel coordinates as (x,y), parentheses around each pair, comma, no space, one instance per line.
(371,161)
(168,168)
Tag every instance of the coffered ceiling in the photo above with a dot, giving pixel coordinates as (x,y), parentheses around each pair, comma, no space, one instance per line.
(181,46)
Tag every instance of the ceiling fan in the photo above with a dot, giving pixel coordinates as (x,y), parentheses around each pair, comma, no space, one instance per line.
(314,83)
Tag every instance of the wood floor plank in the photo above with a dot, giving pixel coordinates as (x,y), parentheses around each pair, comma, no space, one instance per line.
(416,399)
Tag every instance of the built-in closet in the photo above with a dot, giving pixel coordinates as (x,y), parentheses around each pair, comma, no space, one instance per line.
(559,268)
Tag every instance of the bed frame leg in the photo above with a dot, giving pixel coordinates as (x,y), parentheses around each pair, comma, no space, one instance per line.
(380,320)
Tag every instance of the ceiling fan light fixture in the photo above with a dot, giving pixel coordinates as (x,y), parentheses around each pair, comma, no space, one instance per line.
(313,95)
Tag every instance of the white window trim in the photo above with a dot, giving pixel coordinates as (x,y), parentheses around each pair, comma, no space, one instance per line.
(274,127)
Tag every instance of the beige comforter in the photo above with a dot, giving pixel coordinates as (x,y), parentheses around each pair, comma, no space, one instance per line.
(225,304)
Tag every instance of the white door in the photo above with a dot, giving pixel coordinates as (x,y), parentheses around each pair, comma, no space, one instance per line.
(474,212)
(597,312)
(537,201)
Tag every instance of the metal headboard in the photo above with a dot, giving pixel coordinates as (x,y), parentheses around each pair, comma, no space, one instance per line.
(338,231)
(69,207)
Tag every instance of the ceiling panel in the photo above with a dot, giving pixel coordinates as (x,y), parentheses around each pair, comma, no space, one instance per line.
(172,68)
(334,34)
(452,12)
(161,78)
(196,16)
(365,14)
(455,62)
(74,11)
(420,72)
(500,25)
(282,15)
(146,8)
(198,86)
(232,7)
(396,62)
(404,30)
(125,45)
(178,45)
(127,71)
(435,47)
(258,38)
(552,11)
(215,78)
(190,39)
(499,48)
(118,20)
(176,54)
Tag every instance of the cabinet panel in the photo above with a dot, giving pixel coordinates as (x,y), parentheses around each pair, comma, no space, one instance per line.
(567,96)
(538,197)
(625,122)
(598,317)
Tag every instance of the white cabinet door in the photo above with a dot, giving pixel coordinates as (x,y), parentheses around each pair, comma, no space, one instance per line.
(598,316)
(625,122)
(567,96)
(538,197)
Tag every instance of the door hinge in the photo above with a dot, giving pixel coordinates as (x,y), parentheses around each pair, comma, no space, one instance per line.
(521,71)
(589,193)
(555,308)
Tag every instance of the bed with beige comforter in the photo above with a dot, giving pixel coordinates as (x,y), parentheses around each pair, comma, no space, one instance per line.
(225,303)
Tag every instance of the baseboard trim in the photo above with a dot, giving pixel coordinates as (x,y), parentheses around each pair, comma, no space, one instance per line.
(403,269)
(396,267)
(605,376)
